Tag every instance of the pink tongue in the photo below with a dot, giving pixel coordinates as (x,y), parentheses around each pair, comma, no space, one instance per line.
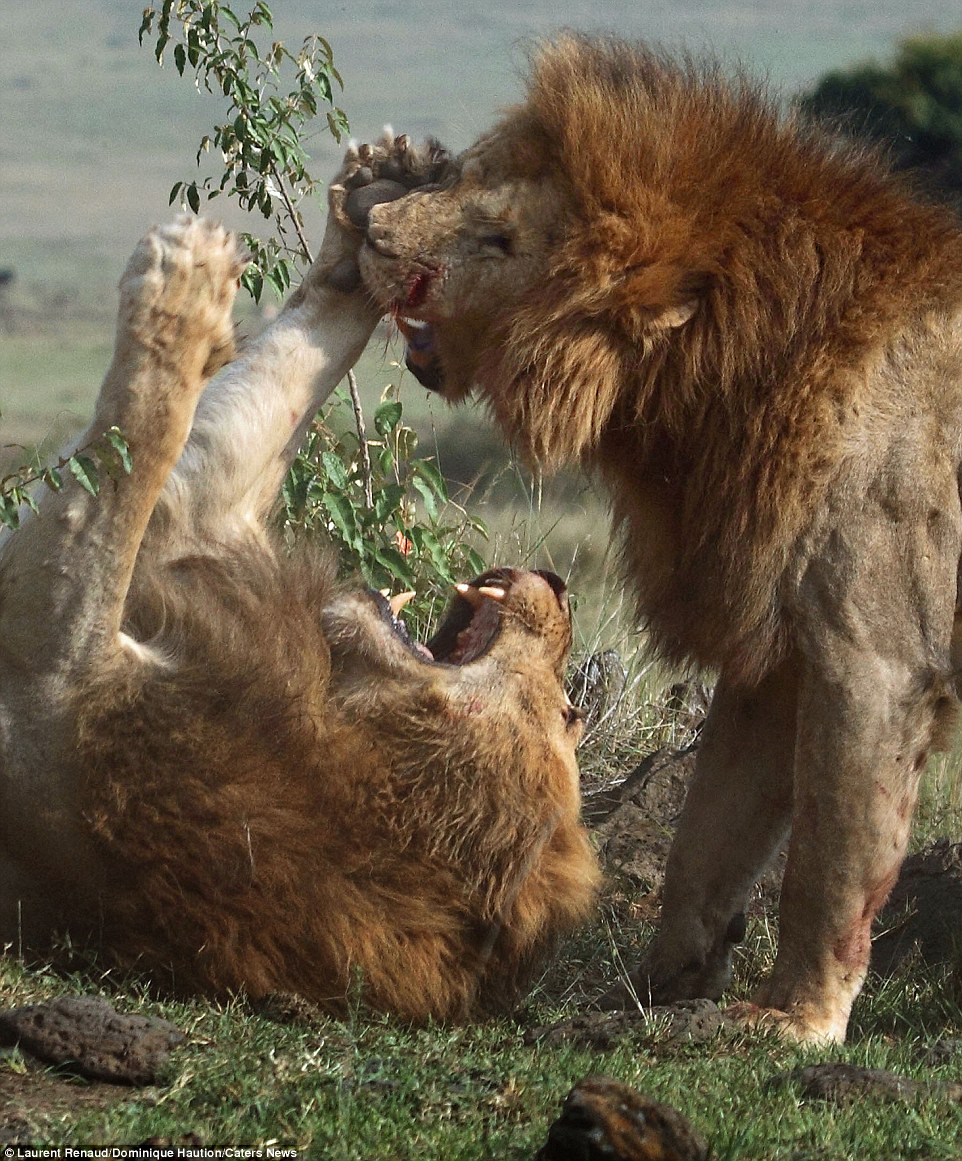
(424,651)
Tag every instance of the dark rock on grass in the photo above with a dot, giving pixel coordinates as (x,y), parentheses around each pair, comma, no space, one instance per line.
(841,1083)
(923,916)
(604,1120)
(85,1035)
(688,1022)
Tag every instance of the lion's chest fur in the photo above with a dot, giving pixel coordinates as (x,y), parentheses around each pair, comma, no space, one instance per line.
(720,531)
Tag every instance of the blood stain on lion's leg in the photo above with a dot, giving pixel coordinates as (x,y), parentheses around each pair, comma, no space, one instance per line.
(843,859)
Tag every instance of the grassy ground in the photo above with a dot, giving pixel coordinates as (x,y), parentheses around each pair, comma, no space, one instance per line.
(368,1089)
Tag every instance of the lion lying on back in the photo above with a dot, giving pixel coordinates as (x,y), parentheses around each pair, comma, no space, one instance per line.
(754,336)
(220,765)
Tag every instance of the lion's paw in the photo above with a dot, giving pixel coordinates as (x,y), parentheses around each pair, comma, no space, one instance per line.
(794,1027)
(383,172)
(369,175)
(178,289)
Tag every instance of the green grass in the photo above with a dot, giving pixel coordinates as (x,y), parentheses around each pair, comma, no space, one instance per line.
(49,385)
(366,1089)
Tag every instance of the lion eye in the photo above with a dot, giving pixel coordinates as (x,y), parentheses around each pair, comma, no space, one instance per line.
(503,243)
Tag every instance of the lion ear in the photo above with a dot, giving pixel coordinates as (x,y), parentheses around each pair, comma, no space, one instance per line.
(675,316)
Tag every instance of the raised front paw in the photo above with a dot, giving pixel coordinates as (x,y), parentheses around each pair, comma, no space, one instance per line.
(383,172)
(178,290)
(369,174)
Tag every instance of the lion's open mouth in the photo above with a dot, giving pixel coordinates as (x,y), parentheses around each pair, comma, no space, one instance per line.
(469,628)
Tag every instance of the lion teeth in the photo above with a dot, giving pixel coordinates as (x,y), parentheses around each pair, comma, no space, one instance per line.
(471,595)
(399,600)
(476,596)
(493,592)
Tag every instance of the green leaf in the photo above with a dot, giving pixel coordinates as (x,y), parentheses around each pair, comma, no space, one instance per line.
(116,440)
(396,564)
(474,561)
(334,470)
(388,502)
(427,494)
(342,516)
(387,417)
(9,511)
(52,478)
(84,471)
(146,24)
(428,472)
(193,197)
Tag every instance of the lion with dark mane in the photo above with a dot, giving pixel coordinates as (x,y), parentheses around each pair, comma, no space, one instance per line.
(753,334)
(220,765)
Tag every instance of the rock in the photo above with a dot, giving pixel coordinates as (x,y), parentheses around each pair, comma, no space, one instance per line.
(687,1022)
(846,1082)
(85,1035)
(924,913)
(604,1120)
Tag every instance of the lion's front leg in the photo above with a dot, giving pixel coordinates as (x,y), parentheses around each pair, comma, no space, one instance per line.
(254,415)
(737,812)
(66,573)
(64,576)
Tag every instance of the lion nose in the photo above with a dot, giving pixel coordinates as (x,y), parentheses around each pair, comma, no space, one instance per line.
(380,238)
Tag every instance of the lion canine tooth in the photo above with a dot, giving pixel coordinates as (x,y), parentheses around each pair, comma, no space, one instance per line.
(475,596)
(398,602)
(470,594)
(494,592)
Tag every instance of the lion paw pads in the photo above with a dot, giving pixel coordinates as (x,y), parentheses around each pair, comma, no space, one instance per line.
(187,272)
(383,172)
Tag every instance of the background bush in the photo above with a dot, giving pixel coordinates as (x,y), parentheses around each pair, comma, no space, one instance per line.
(911,105)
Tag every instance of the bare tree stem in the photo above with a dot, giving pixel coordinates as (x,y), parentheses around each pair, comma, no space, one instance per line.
(362,439)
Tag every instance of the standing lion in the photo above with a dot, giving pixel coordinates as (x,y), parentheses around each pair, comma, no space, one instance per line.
(754,336)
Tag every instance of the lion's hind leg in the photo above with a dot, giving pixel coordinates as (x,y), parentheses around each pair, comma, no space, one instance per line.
(66,573)
(737,812)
